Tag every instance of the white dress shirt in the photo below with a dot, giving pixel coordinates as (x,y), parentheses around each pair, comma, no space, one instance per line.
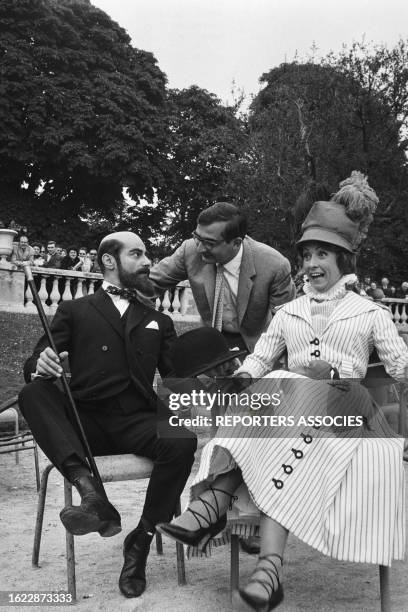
(119,302)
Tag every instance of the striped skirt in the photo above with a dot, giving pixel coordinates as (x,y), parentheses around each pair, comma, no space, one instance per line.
(344,496)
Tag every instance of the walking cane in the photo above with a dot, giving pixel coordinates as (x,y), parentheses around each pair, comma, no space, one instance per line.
(64,380)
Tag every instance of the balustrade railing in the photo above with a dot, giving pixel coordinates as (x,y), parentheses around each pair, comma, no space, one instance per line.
(398,309)
(55,285)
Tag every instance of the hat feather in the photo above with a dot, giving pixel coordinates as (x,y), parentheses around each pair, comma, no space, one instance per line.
(359,200)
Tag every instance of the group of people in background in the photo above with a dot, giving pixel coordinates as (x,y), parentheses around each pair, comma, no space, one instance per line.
(85,260)
(383,289)
(55,256)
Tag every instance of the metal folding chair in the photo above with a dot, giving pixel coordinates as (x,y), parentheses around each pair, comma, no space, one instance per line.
(112,468)
(19,440)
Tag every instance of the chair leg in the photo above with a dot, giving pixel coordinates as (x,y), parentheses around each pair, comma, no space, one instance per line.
(70,547)
(234,563)
(385,588)
(37,466)
(40,514)
(181,566)
(159,543)
(16,429)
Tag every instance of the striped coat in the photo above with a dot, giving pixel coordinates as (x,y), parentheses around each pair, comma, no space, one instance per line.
(344,496)
(354,329)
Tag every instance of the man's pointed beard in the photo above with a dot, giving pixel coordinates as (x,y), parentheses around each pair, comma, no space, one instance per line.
(133,280)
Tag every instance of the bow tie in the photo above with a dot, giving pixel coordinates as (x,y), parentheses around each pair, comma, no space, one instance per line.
(127,294)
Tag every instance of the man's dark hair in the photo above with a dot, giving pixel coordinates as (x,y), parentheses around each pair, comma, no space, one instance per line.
(224,211)
(113,247)
(51,242)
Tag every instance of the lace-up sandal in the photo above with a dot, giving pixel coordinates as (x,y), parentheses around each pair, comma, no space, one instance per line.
(268,579)
(214,523)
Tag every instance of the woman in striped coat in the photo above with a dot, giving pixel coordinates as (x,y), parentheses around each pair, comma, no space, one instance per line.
(343,494)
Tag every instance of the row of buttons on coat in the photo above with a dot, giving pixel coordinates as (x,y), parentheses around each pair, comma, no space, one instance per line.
(288,469)
(316,342)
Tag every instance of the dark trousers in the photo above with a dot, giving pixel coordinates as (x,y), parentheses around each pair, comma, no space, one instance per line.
(113,426)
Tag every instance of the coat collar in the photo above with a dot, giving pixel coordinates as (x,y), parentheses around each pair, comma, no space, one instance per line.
(103,303)
(352,305)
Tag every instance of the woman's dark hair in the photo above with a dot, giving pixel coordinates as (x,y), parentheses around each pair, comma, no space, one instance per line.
(224,211)
(345,260)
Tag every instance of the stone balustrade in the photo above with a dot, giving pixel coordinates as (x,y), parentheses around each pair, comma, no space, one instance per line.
(55,285)
(398,309)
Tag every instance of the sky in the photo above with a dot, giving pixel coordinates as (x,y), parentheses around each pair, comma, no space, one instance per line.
(215,43)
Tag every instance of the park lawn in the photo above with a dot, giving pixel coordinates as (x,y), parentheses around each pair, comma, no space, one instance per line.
(19,333)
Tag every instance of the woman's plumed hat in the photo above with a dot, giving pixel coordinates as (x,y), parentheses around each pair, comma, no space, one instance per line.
(344,220)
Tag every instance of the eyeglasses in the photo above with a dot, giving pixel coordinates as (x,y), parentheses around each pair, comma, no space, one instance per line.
(208,244)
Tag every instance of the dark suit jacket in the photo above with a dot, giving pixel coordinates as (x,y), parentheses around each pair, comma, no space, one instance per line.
(264,283)
(104,351)
(53,262)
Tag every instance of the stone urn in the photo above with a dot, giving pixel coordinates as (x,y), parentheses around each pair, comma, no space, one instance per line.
(6,247)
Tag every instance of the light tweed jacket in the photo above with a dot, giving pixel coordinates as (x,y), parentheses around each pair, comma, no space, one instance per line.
(264,283)
(353,330)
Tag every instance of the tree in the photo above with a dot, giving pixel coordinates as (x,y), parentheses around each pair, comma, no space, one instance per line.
(204,138)
(311,125)
(83,115)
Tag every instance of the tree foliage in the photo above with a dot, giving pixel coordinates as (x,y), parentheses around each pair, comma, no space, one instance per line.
(204,138)
(82,114)
(310,126)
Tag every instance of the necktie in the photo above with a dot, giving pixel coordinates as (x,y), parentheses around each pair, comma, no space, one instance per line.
(127,294)
(218,299)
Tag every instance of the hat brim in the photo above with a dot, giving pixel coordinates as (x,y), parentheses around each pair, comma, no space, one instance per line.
(316,234)
(207,366)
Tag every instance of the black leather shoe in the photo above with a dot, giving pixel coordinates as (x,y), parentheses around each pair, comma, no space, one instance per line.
(95,513)
(132,580)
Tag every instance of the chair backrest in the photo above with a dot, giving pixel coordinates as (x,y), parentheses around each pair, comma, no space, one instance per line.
(19,440)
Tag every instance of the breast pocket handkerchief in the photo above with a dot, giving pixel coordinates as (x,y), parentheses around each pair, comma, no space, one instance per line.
(152,325)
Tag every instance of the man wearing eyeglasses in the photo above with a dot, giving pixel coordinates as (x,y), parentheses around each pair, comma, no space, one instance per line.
(236,281)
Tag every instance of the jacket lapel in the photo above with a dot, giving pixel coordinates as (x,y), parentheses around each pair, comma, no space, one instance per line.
(246,274)
(136,314)
(104,305)
(300,308)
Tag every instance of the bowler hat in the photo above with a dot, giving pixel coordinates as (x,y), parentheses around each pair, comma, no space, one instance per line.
(327,222)
(199,350)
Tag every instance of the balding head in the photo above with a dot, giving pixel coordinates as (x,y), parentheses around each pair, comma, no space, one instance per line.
(113,244)
(123,260)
